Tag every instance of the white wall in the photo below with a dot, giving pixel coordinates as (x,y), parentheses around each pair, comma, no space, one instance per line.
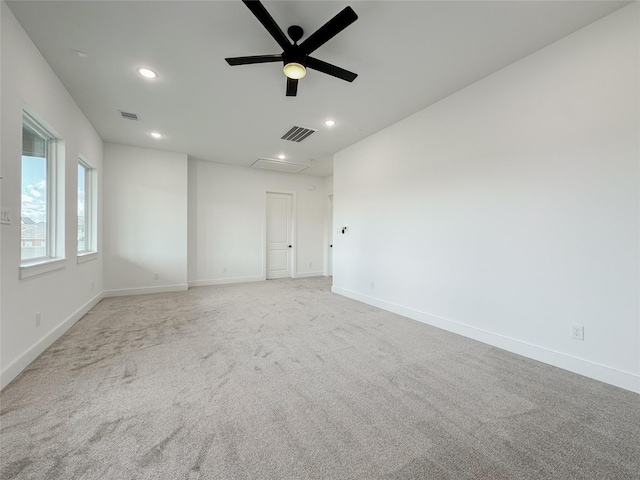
(509,210)
(145,220)
(63,296)
(227,207)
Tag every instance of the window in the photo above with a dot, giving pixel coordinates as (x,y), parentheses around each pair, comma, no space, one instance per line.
(86,203)
(40,209)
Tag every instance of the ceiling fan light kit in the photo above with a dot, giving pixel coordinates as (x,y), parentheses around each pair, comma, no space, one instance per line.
(294,70)
(296,57)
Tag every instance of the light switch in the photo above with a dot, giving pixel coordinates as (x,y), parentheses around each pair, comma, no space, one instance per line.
(5,216)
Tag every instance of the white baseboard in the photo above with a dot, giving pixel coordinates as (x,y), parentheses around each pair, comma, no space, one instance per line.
(310,274)
(19,364)
(612,376)
(224,281)
(145,290)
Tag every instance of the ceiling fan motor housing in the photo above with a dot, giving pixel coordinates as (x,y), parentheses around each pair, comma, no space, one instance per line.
(294,55)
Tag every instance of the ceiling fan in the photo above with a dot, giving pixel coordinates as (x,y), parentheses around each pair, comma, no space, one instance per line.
(296,57)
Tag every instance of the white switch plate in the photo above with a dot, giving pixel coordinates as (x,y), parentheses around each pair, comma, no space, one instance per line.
(5,216)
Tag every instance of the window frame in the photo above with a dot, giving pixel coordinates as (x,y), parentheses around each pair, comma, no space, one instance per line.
(90,210)
(54,257)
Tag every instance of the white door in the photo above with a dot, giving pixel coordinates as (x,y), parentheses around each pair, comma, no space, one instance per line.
(279,236)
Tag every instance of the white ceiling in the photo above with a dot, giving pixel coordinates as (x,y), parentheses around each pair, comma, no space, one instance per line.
(408,55)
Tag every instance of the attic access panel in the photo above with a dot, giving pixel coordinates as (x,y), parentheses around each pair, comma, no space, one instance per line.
(278,166)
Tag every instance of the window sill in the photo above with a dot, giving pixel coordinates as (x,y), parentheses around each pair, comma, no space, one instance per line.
(38,267)
(87,256)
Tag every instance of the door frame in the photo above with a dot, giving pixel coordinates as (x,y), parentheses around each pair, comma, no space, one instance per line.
(328,238)
(294,224)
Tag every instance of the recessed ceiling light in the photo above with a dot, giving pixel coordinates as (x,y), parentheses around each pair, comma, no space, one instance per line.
(282,156)
(156,134)
(329,123)
(147,73)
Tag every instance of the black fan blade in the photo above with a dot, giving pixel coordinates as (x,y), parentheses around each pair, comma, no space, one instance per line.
(329,30)
(269,23)
(329,69)
(292,87)
(254,59)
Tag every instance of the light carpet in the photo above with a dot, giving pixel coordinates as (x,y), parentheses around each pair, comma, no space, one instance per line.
(285,380)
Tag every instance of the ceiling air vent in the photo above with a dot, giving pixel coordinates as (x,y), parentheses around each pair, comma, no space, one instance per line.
(129,116)
(278,166)
(298,134)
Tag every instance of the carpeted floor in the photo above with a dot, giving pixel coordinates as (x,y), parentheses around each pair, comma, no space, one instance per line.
(285,380)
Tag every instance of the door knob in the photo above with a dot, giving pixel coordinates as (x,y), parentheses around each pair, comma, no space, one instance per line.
(289,246)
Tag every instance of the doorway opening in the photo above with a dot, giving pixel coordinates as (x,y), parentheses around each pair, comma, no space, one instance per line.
(330,236)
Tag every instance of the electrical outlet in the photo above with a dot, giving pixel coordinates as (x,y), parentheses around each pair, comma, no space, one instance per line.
(310,264)
(224,270)
(156,276)
(373,285)
(37,319)
(577,332)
